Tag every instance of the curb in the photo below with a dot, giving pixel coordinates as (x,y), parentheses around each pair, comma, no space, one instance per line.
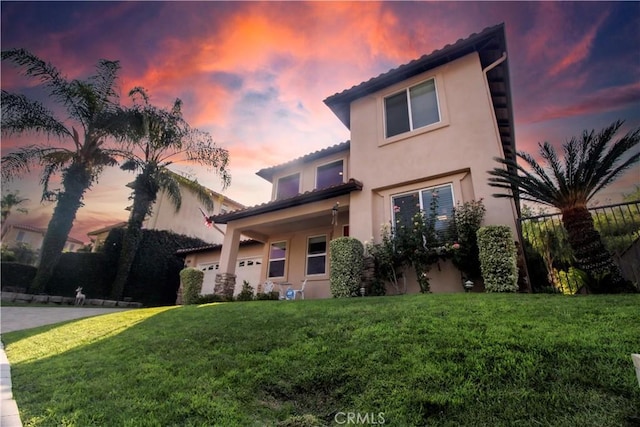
(9,414)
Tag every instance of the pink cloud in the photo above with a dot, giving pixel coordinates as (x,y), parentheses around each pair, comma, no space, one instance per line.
(603,100)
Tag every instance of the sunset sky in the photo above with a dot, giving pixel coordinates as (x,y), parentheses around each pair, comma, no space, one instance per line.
(254,74)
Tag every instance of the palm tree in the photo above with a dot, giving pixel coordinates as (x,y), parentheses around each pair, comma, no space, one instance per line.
(590,164)
(159,138)
(11,200)
(93,106)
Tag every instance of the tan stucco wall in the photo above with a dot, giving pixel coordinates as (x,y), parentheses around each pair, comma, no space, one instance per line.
(459,149)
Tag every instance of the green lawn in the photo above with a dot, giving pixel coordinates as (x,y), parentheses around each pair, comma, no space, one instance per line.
(464,359)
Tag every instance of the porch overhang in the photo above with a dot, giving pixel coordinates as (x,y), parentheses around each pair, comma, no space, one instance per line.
(300,199)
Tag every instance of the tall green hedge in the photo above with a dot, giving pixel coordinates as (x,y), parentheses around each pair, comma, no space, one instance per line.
(90,271)
(155,275)
(498,258)
(191,279)
(347,260)
(16,275)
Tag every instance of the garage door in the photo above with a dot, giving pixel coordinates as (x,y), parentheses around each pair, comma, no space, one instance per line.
(246,269)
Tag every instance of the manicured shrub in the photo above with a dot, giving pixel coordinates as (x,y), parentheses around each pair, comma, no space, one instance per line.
(191,279)
(270,296)
(246,294)
(209,298)
(16,275)
(498,258)
(347,256)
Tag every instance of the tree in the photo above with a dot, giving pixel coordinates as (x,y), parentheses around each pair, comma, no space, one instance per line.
(159,137)
(92,106)
(11,200)
(590,163)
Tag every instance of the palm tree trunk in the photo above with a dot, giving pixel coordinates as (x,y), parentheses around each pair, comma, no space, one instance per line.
(75,181)
(590,253)
(144,196)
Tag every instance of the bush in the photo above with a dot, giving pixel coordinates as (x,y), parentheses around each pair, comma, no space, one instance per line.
(209,298)
(246,294)
(498,258)
(87,270)
(16,275)
(191,279)
(21,253)
(347,260)
(154,278)
(467,219)
(271,296)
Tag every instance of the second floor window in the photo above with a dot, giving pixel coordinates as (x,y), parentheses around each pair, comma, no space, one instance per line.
(329,175)
(413,108)
(288,186)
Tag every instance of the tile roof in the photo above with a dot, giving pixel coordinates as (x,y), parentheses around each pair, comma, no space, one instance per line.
(213,247)
(300,199)
(43,231)
(267,173)
(107,228)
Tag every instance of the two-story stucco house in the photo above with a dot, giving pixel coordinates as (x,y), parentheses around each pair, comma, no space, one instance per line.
(20,234)
(431,125)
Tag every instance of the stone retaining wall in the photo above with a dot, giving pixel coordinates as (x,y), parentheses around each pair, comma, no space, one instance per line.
(58,300)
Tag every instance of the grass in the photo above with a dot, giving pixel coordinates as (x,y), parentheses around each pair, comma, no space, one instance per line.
(464,359)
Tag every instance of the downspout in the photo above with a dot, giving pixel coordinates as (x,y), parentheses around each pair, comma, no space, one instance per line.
(495,63)
(513,203)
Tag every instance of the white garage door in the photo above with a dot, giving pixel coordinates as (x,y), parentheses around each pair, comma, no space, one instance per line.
(246,269)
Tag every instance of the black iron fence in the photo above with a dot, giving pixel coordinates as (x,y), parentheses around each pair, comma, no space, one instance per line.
(550,259)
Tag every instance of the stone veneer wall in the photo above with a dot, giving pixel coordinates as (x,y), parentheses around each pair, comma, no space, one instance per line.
(225,284)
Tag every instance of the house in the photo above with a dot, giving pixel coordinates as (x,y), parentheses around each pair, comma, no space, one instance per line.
(18,234)
(190,220)
(430,126)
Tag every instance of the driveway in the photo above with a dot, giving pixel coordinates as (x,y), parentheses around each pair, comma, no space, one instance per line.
(18,318)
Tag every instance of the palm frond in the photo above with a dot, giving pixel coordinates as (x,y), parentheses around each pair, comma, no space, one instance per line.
(170,184)
(104,82)
(20,114)
(22,160)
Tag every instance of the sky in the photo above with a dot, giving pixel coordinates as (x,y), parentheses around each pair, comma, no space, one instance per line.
(255,74)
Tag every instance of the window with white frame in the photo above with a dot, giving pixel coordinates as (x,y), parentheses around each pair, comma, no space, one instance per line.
(406,205)
(277,259)
(288,186)
(316,255)
(413,108)
(330,174)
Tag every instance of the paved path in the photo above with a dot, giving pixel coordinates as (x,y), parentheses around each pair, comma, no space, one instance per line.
(18,318)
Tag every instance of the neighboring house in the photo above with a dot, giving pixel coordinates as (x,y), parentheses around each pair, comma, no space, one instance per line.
(99,236)
(432,125)
(16,234)
(188,221)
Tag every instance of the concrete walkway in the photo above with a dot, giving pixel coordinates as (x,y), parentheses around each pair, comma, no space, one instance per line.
(19,318)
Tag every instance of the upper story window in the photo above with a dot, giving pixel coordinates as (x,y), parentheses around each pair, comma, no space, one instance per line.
(330,174)
(20,236)
(413,108)
(405,206)
(288,186)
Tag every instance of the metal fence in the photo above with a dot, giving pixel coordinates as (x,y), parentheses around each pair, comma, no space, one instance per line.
(550,259)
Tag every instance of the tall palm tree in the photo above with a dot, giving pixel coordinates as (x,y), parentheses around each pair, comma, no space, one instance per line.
(589,164)
(92,108)
(159,138)
(11,200)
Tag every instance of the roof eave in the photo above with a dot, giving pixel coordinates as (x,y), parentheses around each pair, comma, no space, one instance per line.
(300,199)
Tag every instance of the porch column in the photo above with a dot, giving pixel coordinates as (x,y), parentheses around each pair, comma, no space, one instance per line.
(226,279)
